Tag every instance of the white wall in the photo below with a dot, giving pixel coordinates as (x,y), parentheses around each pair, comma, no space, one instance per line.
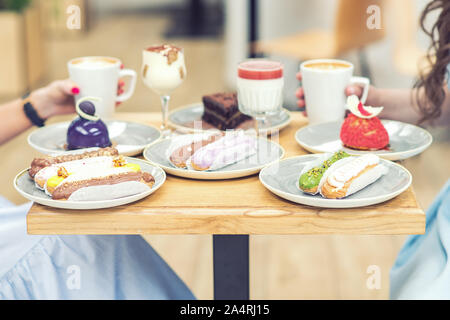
(114,5)
(236,37)
(284,17)
(122,5)
(275,18)
(279,18)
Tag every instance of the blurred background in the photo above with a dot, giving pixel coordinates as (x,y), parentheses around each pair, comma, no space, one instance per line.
(216,35)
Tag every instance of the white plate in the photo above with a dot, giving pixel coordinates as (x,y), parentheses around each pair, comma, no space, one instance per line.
(268,152)
(405,140)
(25,185)
(129,138)
(281,178)
(183,119)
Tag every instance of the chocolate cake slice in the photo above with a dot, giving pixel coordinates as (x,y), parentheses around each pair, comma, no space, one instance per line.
(221,110)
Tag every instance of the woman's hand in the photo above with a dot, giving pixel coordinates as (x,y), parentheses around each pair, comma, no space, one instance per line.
(55,99)
(372,98)
(58,98)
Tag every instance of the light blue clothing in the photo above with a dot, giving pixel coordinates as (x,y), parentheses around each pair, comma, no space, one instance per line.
(448,75)
(422,268)
(79,267)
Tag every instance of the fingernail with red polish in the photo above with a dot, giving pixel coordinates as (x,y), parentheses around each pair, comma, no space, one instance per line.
(75,90)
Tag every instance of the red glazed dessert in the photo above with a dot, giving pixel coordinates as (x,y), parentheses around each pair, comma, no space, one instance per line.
(362,129)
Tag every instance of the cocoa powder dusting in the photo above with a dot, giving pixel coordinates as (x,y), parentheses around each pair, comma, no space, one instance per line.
(147,177)
(172,56)
(144,72)
(181,73)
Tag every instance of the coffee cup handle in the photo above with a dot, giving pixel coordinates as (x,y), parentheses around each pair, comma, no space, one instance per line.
(127,95)
(366,83)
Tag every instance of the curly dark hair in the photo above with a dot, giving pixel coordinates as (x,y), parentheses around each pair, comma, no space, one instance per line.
(430,93)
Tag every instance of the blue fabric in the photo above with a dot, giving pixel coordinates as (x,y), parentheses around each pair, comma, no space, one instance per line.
(448,75)
(79,267)
(422,268)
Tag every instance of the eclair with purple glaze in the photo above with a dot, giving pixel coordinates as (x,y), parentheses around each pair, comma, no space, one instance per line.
(232,148)
(184,147)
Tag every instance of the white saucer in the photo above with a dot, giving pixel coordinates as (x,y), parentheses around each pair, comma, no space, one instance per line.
(268,152)
(281,178)
(129,138)
(188,119)
(405,140)
(25,185)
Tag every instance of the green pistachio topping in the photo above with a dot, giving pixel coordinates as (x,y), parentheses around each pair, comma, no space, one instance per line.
(311,178)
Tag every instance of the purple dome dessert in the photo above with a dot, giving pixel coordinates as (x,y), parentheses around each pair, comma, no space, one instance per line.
(87,130)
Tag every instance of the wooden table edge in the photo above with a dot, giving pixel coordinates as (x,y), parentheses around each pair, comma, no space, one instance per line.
(291,219)
(232,221)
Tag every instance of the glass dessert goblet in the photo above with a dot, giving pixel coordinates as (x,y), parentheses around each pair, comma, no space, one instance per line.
(163,70)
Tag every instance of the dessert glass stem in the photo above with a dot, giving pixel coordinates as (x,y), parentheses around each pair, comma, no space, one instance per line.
(259,122)
(165,112)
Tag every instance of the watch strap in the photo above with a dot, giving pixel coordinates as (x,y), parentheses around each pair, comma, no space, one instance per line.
(31,112)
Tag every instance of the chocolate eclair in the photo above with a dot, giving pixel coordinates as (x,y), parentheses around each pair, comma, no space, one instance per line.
(65,189)
(62,185)
(39,163)
(95,175)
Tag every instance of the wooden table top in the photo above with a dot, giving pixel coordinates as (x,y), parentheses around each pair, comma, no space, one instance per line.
(237,206)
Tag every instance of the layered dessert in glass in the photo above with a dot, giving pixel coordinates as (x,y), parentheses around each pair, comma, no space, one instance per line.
(260,87)
(163,70)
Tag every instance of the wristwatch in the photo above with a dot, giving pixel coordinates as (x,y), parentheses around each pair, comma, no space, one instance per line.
(31,112)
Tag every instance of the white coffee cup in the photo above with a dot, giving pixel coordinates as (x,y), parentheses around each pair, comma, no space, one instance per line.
(324,82)
(99,77)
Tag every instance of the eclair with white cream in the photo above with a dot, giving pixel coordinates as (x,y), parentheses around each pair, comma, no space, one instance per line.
(44,174)
(39,163)
(94,176)
(64,183)
(351,175)
(183,147)
(232,148)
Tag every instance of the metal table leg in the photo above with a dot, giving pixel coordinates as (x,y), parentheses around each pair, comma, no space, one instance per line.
(231,267)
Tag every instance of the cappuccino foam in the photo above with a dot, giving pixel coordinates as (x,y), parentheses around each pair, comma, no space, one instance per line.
(94,63)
